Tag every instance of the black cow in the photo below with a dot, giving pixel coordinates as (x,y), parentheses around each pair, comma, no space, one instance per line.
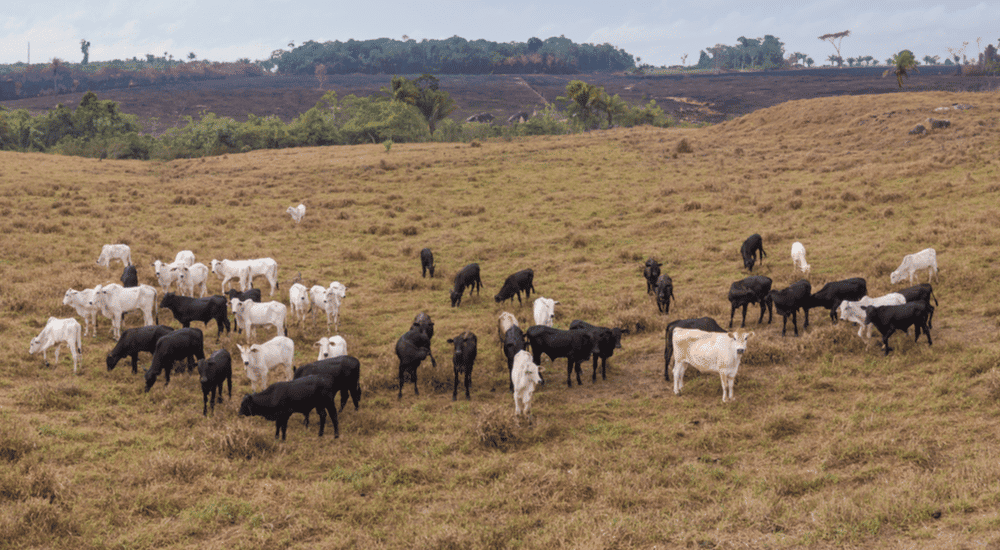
(412,348)
(749,250)
(751,290)
(186,309)
(664,292)
(575,345)
(788,301)
(606,341)
(652,273)
(426,262)
(345,373)
(889,319)
(513,285)
(924,292)
(133,341)
(467,277)
(212,372)
(832,294)
(513,342)
(702,323)
(463,359)
(282,399)
(184,343)
(130,278)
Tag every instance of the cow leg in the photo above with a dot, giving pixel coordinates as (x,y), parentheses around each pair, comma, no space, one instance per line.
(784,322)
(569,372)
(594,378)
(805,325)
(454,391)
(678,377)
(604,367)
(795,323)
(322,417)
(135,363)
(204,402)
(732,313)
(281,425)
(744,323)
(579,371)
(468,384)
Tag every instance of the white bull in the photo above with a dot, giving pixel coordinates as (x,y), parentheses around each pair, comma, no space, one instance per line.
(252,314)
(115,300)
(56,333)
(709,352)
(260,359)
(852,312)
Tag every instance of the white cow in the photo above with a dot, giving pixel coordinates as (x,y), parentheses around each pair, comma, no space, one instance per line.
(709,352)
(232,269)
(334,346)
(852,312)
(86,306)
(115,252)
(912,263)
(265,267)
(252,314)
(545,311)
(56,333)
(191,277)
(524,374)
(504,323)
(184,257)
(297,212)
(328,300)
(799,258)
(115,300)
(166,274)
(298,298)
(260,359)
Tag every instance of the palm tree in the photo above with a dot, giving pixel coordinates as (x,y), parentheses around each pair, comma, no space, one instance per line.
(901,63)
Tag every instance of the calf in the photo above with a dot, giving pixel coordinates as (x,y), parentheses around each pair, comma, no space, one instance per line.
(120,252)
(184,257)
(751,290)
(251,294)
(192,276)
(115,300)
(252,314)
(651,272)
(282,399)
(56,333)
(426,262)
(706,324)
(709,352)
(334,346)
(545,311)
(212,372)
(575,345)
(130,277)
(260,359)
(513,285)
(166,274)
(524,376)
(184,343)
(343,371)
(664,292)
(851,311)
(263,267)
(833,293)
(186,310)
(232,269)
(799,258)
(328,300)
(513,342)
(889,319)
(298,299)
(411,349)
(135,340)
(86,304)
(606,341)
(788,301)
(463,359)
(297,212)
(467,277)
(912,263)
(504,323)
(749,250)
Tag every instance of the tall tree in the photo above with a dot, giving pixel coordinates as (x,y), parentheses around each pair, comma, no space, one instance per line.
(424,94)
(85,48)
(835,39)
(901,63)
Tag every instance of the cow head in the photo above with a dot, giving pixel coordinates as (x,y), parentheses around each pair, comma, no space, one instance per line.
(246,406)
(740,341)
(456,298)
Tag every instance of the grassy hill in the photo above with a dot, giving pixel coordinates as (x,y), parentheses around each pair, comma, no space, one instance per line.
(829,444)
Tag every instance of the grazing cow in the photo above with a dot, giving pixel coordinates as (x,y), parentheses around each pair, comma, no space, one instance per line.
(924,292)
(186,310)
(115,252)
(851,311)
(664,292)
(504,323)
(545,311)
(212,372)
(889,319)
(114,301)
(788,301)
(426,262)
(606,341)
(709,352)
(749,250)
(192,276)
(85,302)
(282,399)
(754,289)
(833,293)
(263,267)
(513,285)
(183,343)
(252,314)
(56,333)
(129,278)
(297,212)
(525,375)
(799,258)
(343,371)
(575,345)
(513,342)
(298,298)
(467,277)
(334,346)
(912,263)
(706,324)
(261,359)
(232,269)
(463,359)
(651,272)
(135,340)
(411,349)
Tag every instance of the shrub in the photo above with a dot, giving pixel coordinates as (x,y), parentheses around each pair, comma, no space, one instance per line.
(496,427)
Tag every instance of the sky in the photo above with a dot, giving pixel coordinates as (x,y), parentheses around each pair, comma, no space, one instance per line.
(658,32)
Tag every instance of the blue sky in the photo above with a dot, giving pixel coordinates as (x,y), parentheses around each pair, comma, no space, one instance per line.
(659,32)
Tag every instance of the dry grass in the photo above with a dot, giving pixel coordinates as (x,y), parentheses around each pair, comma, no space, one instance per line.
(828,444)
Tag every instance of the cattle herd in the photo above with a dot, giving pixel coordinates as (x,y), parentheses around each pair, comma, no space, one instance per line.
(697,342)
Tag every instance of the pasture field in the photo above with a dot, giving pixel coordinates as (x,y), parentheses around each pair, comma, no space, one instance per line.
(828,444)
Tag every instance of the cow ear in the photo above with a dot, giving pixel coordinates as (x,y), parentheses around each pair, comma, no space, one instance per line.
(541,369)
(317,344)
(749,335)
